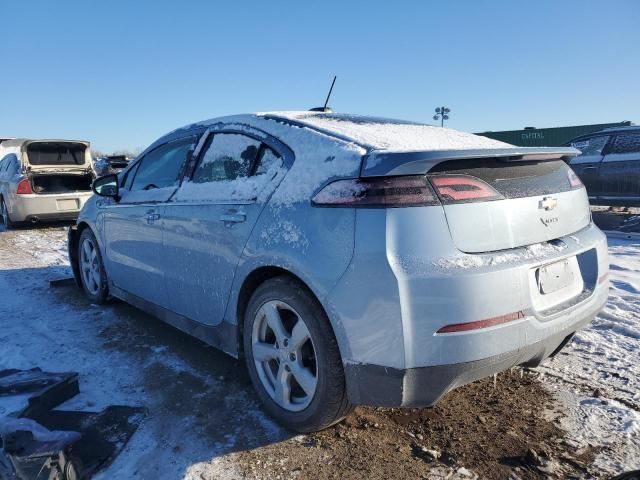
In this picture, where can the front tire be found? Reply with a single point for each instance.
(4, 215)
(293, 357)
(92, 273)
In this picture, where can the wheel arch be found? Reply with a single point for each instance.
(256, 278)
(75, 232)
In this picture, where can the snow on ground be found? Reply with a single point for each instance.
(49, 249)
(597, 377)
(200, 403)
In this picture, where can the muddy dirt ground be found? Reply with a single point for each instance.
(504, 430)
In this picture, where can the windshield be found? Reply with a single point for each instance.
(56, 153)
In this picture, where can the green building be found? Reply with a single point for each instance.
(547, 137)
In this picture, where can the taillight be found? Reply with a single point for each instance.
(24, 187)
(407, 191)
(462, 189)
(574, 180)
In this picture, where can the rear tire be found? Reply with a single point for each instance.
(73, 469)
(293, 358)
(4, 215)
(92, 273)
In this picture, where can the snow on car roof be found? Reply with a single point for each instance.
(388, 134)
(372, 133)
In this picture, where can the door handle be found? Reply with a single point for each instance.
(152, 216)
(233, 217)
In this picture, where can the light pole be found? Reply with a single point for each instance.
(442, 114)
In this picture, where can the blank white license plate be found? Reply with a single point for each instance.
(67, 204)
(554, 277)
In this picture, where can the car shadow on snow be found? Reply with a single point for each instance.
(201, 402)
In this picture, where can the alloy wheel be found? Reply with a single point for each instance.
(90, 266)
(284, 356)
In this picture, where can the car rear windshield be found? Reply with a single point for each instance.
(513, 179)
(51, 153)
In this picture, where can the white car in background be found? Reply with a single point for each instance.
(43, 180)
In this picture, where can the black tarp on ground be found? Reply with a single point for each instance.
(39, 442)
(40, 391)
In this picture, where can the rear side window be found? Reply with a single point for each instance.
(162, 167)
(268, 161)
(626, 143)
(229, 156)
(232, 167)
(591, 146)
(52, 153)
(513, 179)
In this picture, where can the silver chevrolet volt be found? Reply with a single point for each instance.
(349, 260)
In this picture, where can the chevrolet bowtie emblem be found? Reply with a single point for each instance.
(548, 203)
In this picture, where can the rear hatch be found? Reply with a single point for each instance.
(495, 200)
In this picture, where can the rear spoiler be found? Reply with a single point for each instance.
(415, 163)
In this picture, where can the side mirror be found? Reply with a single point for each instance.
(106, 186)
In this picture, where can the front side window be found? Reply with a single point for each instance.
(162, 167)
(129, 175)
(626, 143)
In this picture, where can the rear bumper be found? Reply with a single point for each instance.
(36, 207)
(425, 386)
(388, 309)
(434, 299)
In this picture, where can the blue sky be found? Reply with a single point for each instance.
(122, 73)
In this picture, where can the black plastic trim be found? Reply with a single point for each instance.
(223, 336)
(381, 386)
